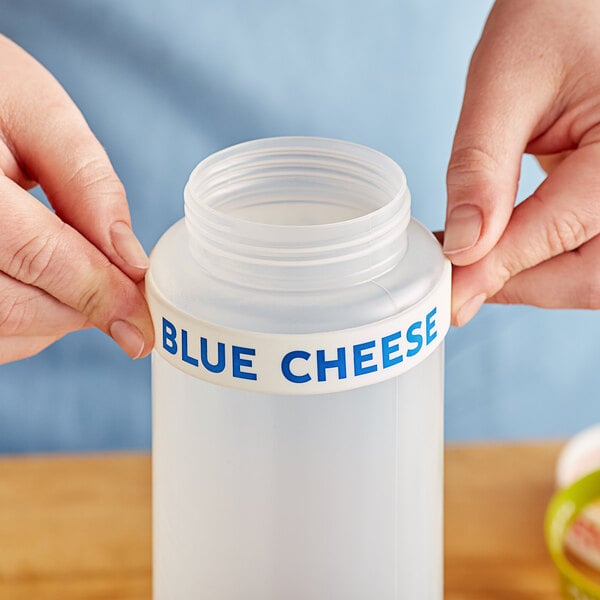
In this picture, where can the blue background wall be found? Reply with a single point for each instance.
(163, 83)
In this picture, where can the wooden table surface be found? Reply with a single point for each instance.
(78, 527)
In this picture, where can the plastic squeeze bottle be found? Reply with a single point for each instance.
(297, 381)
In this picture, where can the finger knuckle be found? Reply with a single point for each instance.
(510, 264)
(95, 173)
(32, 262)
(91, 300)
(472, 167)
(565, 232)
(101, 295)
(14, 316)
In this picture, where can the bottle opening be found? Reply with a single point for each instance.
(297, 213)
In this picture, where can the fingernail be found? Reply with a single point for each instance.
(127, 245)
(469, 309)
(129, 337)
(463, 228)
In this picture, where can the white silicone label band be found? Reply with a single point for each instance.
(312, 363)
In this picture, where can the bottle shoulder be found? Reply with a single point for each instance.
(183, 281)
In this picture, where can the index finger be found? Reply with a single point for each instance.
(509, 98)
(55, 146)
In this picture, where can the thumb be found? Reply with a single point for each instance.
(504, 101)
(561, 216)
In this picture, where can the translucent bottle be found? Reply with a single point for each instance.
(298, 381)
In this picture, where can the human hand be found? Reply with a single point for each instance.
(82, 265)
(534, 87)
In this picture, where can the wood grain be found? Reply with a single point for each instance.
(79, 527)
(495, 498)
(75, 527)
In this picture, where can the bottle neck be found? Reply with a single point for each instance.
(297, 214)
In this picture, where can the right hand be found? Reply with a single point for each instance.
(77, 267)
(533, 87)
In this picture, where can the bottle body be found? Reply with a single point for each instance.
(269, 495)
(262, 497)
